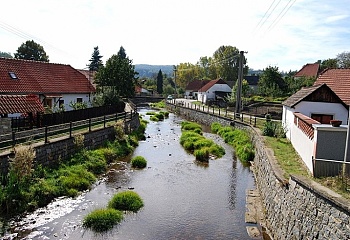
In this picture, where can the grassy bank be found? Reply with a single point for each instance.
(25, 188)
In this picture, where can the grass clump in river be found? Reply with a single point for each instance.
(126, 201)
(158, 116)
(239, 139)
(101, 220)
(138, 162)
(28, 189)
(193, 141)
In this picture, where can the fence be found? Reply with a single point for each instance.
(40, 120)
(49, 132)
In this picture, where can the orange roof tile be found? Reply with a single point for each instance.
(210, 84)
(339, 81)
(20, 104)
(40, 77)
(308, 70)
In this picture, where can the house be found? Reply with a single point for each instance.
(19, 105)
(90, 75)
(308, 70)
(252, 81)
(192, 88)
(214, 90)
(56, 85)
(140, 91)
(306, 118)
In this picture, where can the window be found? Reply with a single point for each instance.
(79, 100)
(322, 118)
(47, 102)
(13, 75)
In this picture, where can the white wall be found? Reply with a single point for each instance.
(210, 93)
(71, 98)
(303, 145)
(336, 109)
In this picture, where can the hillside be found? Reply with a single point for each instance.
(151, 71)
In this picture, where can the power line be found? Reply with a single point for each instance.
(264, 15)
(269, 13)
(280, 16)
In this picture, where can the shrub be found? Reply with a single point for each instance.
(119, 130)
(190, 126)
(126, 201)
(202, 154)
(21, 164)
(79, 141)
(101, 220)
(138, 162)
(217, 150)
(215, 127)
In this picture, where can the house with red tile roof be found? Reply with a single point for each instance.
(214, 90)
(54, 84)
(308, 116)
(308, 70)
(192, 88)
(17, 105)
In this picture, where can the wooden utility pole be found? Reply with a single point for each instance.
(175, 81)
(239, 85)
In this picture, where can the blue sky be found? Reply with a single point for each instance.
(282, 33)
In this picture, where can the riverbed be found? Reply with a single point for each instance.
(183, 199)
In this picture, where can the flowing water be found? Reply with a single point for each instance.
(183, 199)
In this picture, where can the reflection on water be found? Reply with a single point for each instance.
(183, 199)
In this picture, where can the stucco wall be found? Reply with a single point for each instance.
(295, 208)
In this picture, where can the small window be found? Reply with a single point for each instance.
(13, 75)
(79, 100)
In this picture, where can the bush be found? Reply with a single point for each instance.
(126, 201)
(202, 154)
(190, 126)
(101, 220)
(138, 162)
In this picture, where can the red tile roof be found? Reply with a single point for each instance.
(211, 83)
(308, 70)
(41, 77)
(20, 104)
(339, 81)
(195, 85)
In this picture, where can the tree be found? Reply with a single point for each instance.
(31, 50)
(271, 83)
(5, 55)
(329, 63)
(117, 78)
(95, 61)
(160, 82)
(343, 60)
(226, 60)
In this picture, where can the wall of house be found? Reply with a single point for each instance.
(336, 109)
(287, 120)
(210, 94)
(295, 208)
(68, 98)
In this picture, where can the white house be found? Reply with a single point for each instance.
(214, 90)
(307, 116)
(191, 90)
(54, 84)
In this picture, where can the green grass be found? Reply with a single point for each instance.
(126, 201)
(101, 220)
(286, 156)
(160, 104)
(138, 162)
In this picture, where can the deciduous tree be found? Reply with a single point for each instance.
(31, 50)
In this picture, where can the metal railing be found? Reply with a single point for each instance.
(46, 133)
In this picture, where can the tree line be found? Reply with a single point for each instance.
(117, 78)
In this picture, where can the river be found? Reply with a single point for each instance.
(183, 199)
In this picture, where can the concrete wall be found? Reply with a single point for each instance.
(295, 208)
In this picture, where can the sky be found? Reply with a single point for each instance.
(283, 33)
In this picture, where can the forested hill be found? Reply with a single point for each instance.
(151, 71)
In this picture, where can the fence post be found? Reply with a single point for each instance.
(213, 109)
(255, 122)
(219, 111)
(46, 134)
(89, 124)
(124, 116)
(104, 121)
(242, 117)
(13, 138)
(250, 119)
(70, 129)
(226, 112)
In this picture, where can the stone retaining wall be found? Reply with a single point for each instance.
(61, 148)
(294, 208)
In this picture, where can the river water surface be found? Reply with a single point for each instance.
(183, 199)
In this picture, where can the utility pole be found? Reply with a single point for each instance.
(175, 80)
(239, 85)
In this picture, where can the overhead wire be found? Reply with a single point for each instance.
(280, 16)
